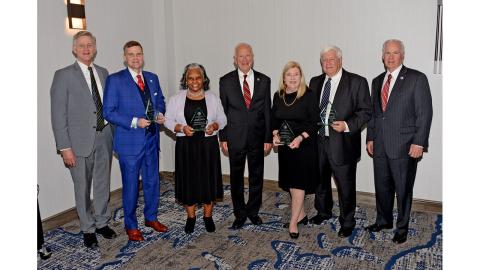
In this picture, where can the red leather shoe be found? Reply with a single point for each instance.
(157, 226)
(135, 235)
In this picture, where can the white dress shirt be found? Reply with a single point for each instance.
(335, 80)
(250, 80)
(392, 80)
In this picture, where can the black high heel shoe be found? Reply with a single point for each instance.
(304, 221)
(190, 225)
(209, 225)
(294, 235)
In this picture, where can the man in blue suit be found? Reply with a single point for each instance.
(134, 103)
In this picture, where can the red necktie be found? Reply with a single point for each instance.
(385, 88)
(140, 82)
(246, 92)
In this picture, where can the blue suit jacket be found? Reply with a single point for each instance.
(122, 102)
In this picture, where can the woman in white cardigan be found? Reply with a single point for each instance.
(195, 116)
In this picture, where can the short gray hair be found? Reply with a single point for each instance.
(337, 50)
(402, 47)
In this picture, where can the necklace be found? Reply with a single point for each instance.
(286, 104)
(195, 95)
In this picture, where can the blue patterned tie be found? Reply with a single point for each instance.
(324, 103)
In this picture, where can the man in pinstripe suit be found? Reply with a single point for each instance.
(397, 136)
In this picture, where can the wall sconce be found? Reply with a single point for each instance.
(76, 14)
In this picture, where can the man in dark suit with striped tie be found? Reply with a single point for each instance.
(245, 96)
(397, 136)
(339, 142)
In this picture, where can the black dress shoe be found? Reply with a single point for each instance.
(90, 240)
(209, 225)
(304, 221)
(294, 235)
(190, 225)
(318, 219)
(345, 232)
(399, 238)
(106, 232)
(44, 253)
(376, 228)
(238, 223)
(256, 220)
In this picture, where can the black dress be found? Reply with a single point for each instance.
(198, 175)
(297, 168)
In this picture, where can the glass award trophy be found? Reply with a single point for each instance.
(285, 133)
(150, 112)
(199, 120)
(332, 115)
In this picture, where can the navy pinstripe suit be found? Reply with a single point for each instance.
(406, 121)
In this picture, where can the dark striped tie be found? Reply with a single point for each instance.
(97, 100)
(324, 103)
(246, 92)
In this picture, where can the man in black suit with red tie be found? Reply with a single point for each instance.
(397, 136)
(339, 142)
(245, 96)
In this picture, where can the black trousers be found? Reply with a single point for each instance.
(40, 239)
(255, 160)
(345, 180)
(394, 176)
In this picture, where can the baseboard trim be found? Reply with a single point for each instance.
(66, 216)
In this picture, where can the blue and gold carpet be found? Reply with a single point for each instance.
(253, 247)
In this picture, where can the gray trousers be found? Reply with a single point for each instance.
(94, 168)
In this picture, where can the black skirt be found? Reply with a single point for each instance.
(198, 174)
(298, 168)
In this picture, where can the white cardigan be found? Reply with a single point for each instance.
(176, 106)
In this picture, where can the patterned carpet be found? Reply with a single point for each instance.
(253, 247)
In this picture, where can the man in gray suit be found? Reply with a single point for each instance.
(83, 138)
(397, 136)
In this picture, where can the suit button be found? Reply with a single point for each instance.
(95, 127)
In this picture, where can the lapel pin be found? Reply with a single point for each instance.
(258, 79)
(401, 78)
(151, 81)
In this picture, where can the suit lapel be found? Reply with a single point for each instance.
(81, 79)
(131, 85)
(342, 85)
(100, 75)
(256, 85)
(149, 83)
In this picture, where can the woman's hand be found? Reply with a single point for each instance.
(211, 128)
(296, 142)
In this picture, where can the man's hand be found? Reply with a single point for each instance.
(69, 158)
(370, 147)
(160, 119)
(339, 126)
(416, 151)
(142, 123)
(266, 148)
(224, 147)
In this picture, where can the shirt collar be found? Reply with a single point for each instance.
(134, 74)
(395, 72)
(249, 73)
(83, 66)
(336, 78)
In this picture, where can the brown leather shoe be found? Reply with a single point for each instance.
(157, 226)
(135, 235)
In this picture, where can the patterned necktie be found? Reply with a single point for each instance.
(324, 103)
(246, 92)
(97, 101)
(385, 89)
(140, 82)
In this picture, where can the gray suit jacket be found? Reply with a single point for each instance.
(407, 118)
(73, 110)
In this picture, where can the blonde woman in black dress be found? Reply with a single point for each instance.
(295, 110)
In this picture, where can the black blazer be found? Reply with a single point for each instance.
(352, 104)
(407, 118)
(246, 127)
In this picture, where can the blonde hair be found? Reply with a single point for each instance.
(302, 88)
